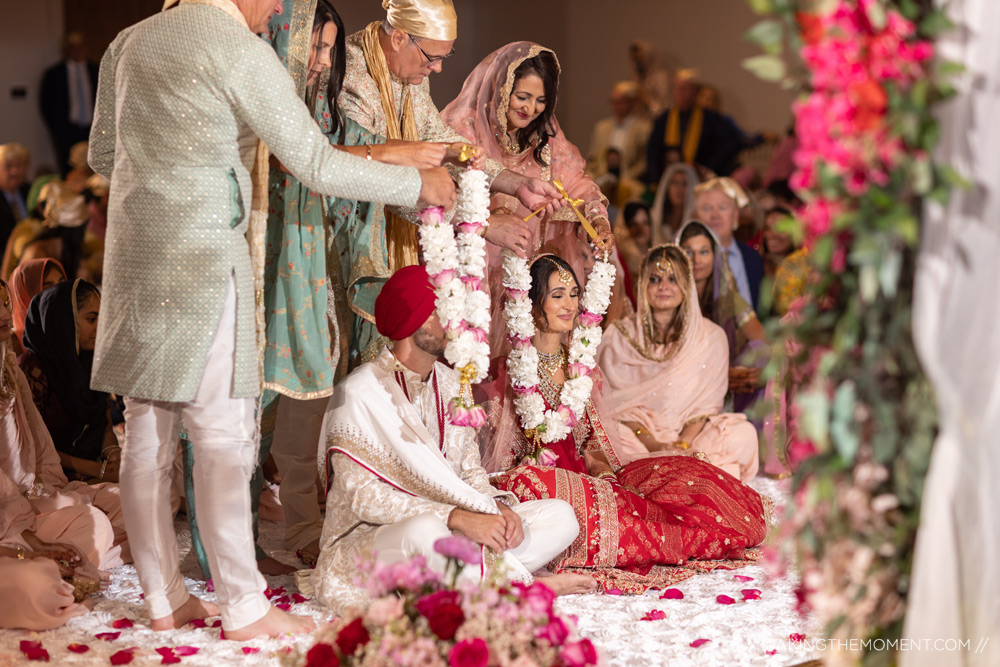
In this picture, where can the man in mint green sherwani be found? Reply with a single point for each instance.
(181, 100)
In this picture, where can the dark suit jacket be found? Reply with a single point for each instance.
(754, 264)
(718, 148)
(54, 96)
(7, 220)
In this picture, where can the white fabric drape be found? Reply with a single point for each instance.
(955, 592)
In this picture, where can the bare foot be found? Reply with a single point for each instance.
(569, 583)
(187, 612)
(275, 623)
(273, 567)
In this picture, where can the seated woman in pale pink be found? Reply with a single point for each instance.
(667, 373)
(30, 463)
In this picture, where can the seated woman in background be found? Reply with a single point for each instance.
(29, 462)
(721, 303)
(633, 235)
(667, 372)
(59, 335)
(777, 244)
(793, 267)
(633, 517)
(28, 279)
(674, 201)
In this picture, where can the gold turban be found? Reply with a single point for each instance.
(428, 19)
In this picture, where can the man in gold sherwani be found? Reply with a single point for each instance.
(387, 91)
(182, 99)
(400, 476)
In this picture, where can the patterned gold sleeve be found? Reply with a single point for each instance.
(102, 133)
(376, 502)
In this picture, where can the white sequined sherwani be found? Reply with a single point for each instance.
(182, 98)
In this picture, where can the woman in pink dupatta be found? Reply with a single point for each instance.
(30, 463)
(482, 114)
(667, 372)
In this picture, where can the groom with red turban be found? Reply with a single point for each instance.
(400, 476)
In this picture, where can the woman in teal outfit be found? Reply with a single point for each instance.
(317, 314)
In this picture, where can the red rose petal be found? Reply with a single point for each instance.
(185, 650)
(724, 599)
(797, 636)
(740, 577)
(299, 599)
(33, 650)
(773, 651)
(168, 656)
(613, 591)
(78, 648)
(699, 642)
(108, 636)
(198, 623)
(210, 586)
(122, 657)
(284, 606)
(216, 623)
(672, 594)
(654, 615)
(750, 594)
(142, 596)
(250, 649)
(122, 624)
(274, 592)
(222, 634)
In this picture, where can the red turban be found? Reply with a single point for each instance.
(405, 303)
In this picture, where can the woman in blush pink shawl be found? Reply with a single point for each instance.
(507, 106)
(667, 373)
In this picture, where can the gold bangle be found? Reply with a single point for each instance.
(20, 553)
(638, 432)
(368, 152)
(682, 444)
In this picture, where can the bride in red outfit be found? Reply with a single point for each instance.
(644, 524)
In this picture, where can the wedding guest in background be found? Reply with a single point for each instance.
(66, 98)
(674, 201)
(625, 130)
(14, 160)
(28, 279)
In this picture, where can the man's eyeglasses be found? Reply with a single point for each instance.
(431, 60)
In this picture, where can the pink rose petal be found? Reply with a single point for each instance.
(222, 634)
(773, 651)
(78, 648)
(33, 650)
(108, 636)
(672, 594)
(740, 577)
(217, 623)
(250, 649)
(210, 586)
(750, 594)
(699, 642)
(122, 657)
(122, 624)
(797, 637)
(654, 615)
(185, 650)
(274, 592)
(198, 623)
(613, 591)
(142, 596)
(724, 599)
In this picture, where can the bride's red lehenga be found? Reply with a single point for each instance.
(659, 522)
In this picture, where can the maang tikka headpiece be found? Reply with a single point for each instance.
(565, 277)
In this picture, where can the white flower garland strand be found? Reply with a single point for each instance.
(522, 362)
(456, 263)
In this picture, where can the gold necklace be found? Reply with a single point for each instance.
(552, 362)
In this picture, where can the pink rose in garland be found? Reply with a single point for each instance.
(469, 653)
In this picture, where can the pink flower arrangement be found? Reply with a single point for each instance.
(418, 618)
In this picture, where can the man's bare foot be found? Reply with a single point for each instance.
(187, 612)
(275, 623)
(569, 583)
(273, 567)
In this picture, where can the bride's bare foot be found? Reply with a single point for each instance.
(273, 567)
(275, 623)
(187, 612)
(569, 583)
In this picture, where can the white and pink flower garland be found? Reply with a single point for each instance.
(456, 262)
(539, 423)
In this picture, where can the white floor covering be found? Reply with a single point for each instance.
(755, 632)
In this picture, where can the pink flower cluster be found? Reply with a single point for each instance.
(419, 620)
(842, 125)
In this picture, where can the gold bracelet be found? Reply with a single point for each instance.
(368, 152)
(682, 444)
(20, 553)
(638, 432)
